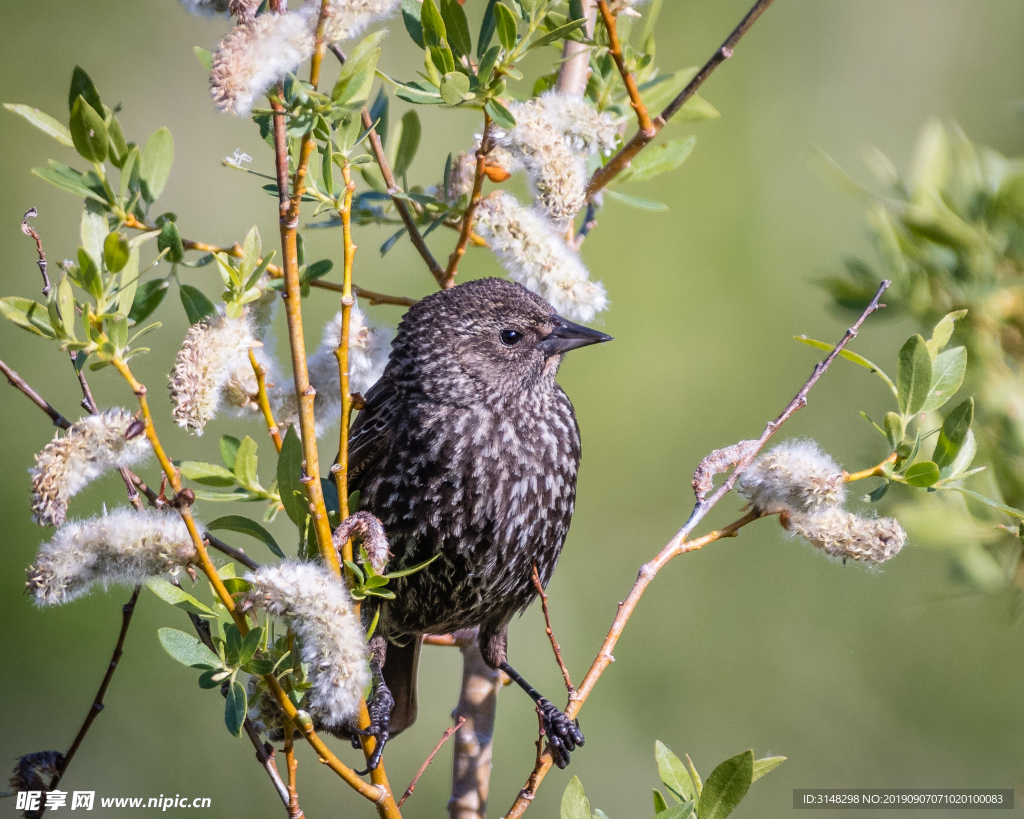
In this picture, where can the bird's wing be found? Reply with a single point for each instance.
(370, 438)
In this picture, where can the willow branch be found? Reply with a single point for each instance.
(22, 386)
(263, 400)
(294, 811)
(643, 118)
(371, 296)
(550, 632)
(444, 738)
(572, 76)
(680, 545)
(474, 201)
(642, 139)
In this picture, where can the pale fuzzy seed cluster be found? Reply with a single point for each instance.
(584, 128)
(244, 10)
(626, 7)
(212, 367)
(795, 476)
(91, 447)
(349, 18)
(369, 346)
(807, 487)
(123, 546)
(322, 614)
(255, 55)
(205, 7)
(844, 535)
(264, 710)
(463, 173)
(538, 258)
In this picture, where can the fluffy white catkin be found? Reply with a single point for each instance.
(795, 476)
(349, 18)
(256, 54)
(91, 446)
(123, 546)
(212, 366)
(322, 614)
(846, 536)
(537, 257)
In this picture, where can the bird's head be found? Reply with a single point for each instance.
(487, 338)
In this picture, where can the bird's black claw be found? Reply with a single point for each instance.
(563, 734)
(380, 707)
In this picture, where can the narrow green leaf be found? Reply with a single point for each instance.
(894, 429)
(953, 433)
(82, 86)
(155, 167)
(456, 27)
(913, 375)
(637, 202)
(235, 706)
(766, 765)
(170, 240)
(500, 114)
(411, 10)
(1002, 507)
(433, 25)
(849, 356)
(67, 179)
(186, 649)
(558, 34)
(178, 597)
(147, 298)
(575, 804)
(241, 524)
(487, 63)
(116, 252)
(963, 460)
(44, 122)
(28, 314)
(128, 283)
(660, 805)
(659, 159)
(508, 28)
(88, 132)
(486, 32)
(922, 474)
(672, 772)
(683, 811)
(197, 305)
(206, 473)
(250, 644)
(408, 143)
(943, 331)
(229, 450)
(246, 463)
(948, 371)
(289, 473)
(205, 57)
(65, 298)
(726, 786)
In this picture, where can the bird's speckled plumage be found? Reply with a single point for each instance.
(468, 448)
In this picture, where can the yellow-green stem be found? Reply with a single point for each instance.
(263, 400)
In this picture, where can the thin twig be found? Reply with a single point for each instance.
(27, 229)
(474, 201)
(680, 545)
(21, 385)
(643, 118)
(294, 811)
(235, 554)
(551, 634)
(444, 738)
(641, 139)
(263, 400)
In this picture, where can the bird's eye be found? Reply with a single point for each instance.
(511, 337)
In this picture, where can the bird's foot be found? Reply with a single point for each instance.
(563, 733)
(379, 706)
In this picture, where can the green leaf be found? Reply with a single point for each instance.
(44, 122)
(659, 159)
(412, 569)
(67, 179)
(1002, 507)
(575, 804)
(28, 314)
(948, 371)
(508, 28)
(454, 86)
(408, 143)
(922, 474)
(849, 356)
(683, 811)
(250, 643)
(953, 433)
(205, 57)
(206, 473)
(155, 167)
(245, 464)
(186, 649)
(147, 298)
(82, 86)
(963, 460)
(356, 78)
(726, 786)
(289, 472)
(238, 523)
(65, 300)
(234, 708)
(229, 450)
(129, 283)
(913, 375)
(637, 202)
(456, 27)
(88, 132)
(411, 10)
(943, 331)
(766, 765)
(116, 252)
(894, 429)
(178, 597)
(486, 33)
(559, 33)
(672, 772)
(660, 805)
(170, 240)
(213, 677)
(197, 305)
(500, 114)
(433, 25)
(487, 63)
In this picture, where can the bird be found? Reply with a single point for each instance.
(467, 450)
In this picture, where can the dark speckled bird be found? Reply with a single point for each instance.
(467, 449)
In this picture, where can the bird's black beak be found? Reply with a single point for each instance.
(568, 336)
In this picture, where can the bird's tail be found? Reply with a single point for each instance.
(401, 665)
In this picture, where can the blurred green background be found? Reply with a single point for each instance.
(893, 679)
